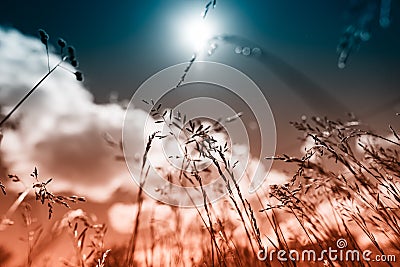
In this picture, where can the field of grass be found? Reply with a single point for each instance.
(346, 188)
(338, 204)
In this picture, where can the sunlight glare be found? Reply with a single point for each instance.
(197, 32)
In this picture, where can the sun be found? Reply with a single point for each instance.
(197, 32)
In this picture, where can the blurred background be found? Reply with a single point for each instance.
(288, 48)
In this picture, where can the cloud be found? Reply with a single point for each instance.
(375, 142)
(60, 129)
(122, 216)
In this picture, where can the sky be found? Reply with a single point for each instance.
(121, 45)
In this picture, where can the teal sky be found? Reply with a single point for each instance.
(122, 44)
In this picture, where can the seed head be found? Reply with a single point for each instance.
(71, 52)
(44, 37)
(74, 63)
(79, 76)
(61, 42)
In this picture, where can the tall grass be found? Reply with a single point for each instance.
(346, 186)
(67, 55)
(351, 171)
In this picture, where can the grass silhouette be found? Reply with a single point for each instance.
(350, 170)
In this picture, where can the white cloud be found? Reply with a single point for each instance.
(61, 130)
